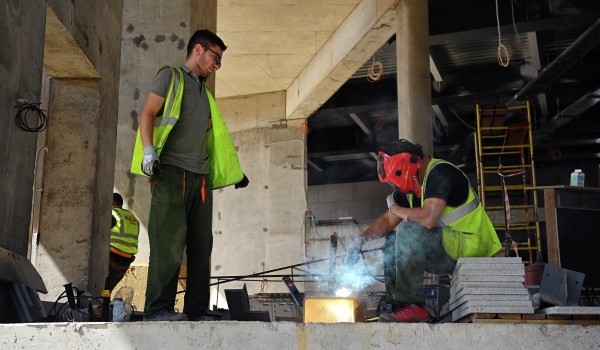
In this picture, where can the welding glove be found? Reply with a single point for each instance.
(243, 183)
(390, 200)
(150, 162)
(397, 198)
(353, 254)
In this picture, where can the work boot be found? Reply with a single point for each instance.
(406, 313)
(203, 316)
(165, 315)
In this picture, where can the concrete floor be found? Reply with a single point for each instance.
(288, 335)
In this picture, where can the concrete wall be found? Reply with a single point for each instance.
(260, 228)
(288, 335)
(363, 201)
(65, 226)
(21, 75)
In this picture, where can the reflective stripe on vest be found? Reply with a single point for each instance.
(464, 210)
(124, 235)
(162, 123)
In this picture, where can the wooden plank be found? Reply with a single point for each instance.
(586, 317)
(531, 319)
(474, 317)
(551, 227)
(510, 316)
(534, 317)
(558, 322)
(559, 317)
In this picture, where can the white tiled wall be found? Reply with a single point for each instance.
(362, 201)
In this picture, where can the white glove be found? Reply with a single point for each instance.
(148, 161)
(390, 200)
(353, 254)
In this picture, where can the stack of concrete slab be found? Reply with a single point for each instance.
(489, 285)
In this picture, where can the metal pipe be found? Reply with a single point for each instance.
(332, 260)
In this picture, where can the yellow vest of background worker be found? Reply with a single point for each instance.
(124, 235)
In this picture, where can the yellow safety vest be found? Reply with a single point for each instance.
(124, 235)
(223, 163)
(468, 231)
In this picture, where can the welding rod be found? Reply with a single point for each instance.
(284, 268)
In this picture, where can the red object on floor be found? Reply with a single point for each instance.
(407, 313)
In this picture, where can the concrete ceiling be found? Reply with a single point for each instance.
(317, 52)
(306, 48)
(271, 41)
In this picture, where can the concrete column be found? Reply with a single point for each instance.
(204, 16)
(68, 248)
(63, 254)
(22, 36)
(414, 86)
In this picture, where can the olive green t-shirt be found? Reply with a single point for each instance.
(185, 146)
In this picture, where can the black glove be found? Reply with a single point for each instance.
(353, 254)
(243, 183)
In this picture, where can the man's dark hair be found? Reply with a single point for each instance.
(117, 199)
(403, 146)
(205, 38)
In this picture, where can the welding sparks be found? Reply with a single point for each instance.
(343, 292)
(353, 279)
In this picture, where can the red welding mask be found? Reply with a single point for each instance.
(401, 171)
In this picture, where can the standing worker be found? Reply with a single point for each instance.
(123, 242)
(184, 147)
(444, 222)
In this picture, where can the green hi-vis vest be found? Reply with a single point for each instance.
(223, 163)
(124, 235)
(468, 231)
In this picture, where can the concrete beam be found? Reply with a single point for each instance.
(365, 30)
(63, 58)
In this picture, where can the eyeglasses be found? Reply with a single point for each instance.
(217, 57)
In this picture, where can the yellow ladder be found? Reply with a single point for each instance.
(504, 138)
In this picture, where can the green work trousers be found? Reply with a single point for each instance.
(180, 218)
(414, 250)
(117, 268)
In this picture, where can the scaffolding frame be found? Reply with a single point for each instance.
(504, 151)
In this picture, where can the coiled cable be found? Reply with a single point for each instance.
(375, 71)
(21, 118)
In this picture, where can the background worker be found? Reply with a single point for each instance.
(184, 146)
(439, 219)
(123, 242)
